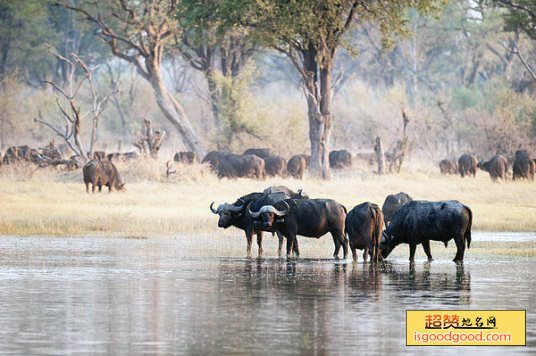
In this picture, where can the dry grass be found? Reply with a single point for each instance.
(54, 203)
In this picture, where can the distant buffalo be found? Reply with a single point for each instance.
(259, 152)
(296, 166)
(418, 222)
(364, 225)
(340, 159)
(275, 165)
(523, 167)
(497, 167)
(282, 189)
(214, 157)
(448, 166)
(15, 154)
(102, 172)
(234, 166)
(125, 156)
(188, 157)
(467, 165)
(392, 203)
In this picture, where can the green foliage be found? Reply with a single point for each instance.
(521, 16)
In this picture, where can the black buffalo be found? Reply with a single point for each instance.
(523, 166)
(310, 218)
(296, 166)
(291, 194)
(419, 221)
(275, 165)
(467, 165)
(340, 159)
(236, 215)
(259, 152)
(392, 203)
(497, 167)
(233, 166)
(364, 225)
(448, 166)
(188, 157)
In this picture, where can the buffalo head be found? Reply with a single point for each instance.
(227, 212)
(268, 213)
(385, 244)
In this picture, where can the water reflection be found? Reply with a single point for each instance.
(106, 296)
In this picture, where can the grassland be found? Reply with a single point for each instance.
(55, 203)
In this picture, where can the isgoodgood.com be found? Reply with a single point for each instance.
(455, 338)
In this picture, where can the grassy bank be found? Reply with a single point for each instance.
(57, 204)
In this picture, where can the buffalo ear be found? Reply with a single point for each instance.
(280, 220)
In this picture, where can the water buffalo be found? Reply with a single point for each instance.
(291, 194)
(497, 167)
(123, 157)
(24, 153)
(236, 215)
(259, 152)
(448, 166)
(296, 166)
(467, 165)
(102, 172)
(185, 157)
(275, 165)
(420, 221)
(523, 166)
(310, 218)
(364, 225)
(392, 203)
(233, 166)
(340, 159)
(214, 157)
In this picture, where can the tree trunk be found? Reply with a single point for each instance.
(380, 157)
(411, 72)
(318, 92)
(174, 112)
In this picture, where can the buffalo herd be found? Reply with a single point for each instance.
(288, 214)
(499, 166)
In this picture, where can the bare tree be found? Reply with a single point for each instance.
(140, 37)
(69, 107)
(151, 140)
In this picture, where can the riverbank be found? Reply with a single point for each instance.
(45, 205)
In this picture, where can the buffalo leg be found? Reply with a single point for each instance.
(412, 248)
(93, 185)
(249, 238)
(280, 247)
(290, 243)
(87, 187)
(295, 247)
(259, 242)
(365, 254)
(461, 248)
(426, 247)
(339, 240)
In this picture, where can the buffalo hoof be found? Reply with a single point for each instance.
(457, 260)
(430, 259)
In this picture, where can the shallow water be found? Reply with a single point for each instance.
(125, 296)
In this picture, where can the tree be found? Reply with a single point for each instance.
(138, 32)
(220, 51)
(309, 33)
(521, 17)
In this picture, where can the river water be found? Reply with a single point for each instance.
(151, 296)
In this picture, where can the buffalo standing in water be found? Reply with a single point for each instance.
(364, 225)
(236, 215)
(496, 167)
(102, 172)
(467, 165)
(420, 221)
(310, 218)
